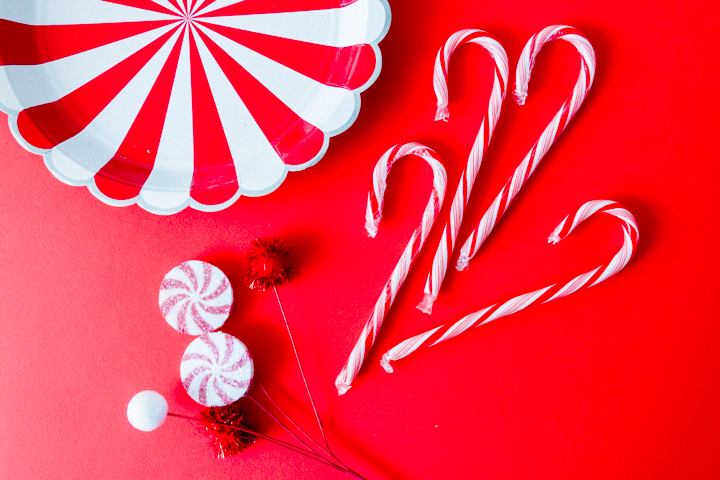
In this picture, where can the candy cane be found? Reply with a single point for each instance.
(376, 200)
(544, 295)
(467, 180)
(548, 137)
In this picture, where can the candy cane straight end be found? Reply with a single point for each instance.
(443, 113)
(385, 363)
(341, 386)
(372, 219)
(372, 227)
(520, 97)
(427, 303)
(463, 263)
(554, 238)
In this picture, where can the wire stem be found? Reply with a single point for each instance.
(290, 419)
(277, 420)
(307, 388)
(265, 437)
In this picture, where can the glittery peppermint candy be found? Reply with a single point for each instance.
(216, 370)
(195, 298)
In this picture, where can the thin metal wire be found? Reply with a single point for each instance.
(307, 388)
(290, 419)
(277, 420)
(265, 437)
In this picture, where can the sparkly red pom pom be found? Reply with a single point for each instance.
(270, 262)
(224, 440)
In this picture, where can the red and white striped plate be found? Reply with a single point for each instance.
(176, 103)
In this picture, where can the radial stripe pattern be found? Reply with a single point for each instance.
(176, 103)
(195, 298)
(216, 369)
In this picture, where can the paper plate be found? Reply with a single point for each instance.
(176, 103)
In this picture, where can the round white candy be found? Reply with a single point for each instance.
(147, 410)
(216, 370)
(196, 298)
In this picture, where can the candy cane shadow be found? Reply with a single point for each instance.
(647, 225)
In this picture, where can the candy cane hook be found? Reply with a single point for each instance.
(467, 180)
(548, 137)
(376, 200)
(544, 295)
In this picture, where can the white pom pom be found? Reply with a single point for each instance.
(147, 410)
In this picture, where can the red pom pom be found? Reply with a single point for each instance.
(224, 440)
(271, 264)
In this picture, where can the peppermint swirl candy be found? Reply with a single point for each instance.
(216, 369)
(196, 298)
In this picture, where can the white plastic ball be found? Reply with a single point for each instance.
(147, 410)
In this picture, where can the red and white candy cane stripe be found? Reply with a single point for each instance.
(544, 295)
(548, 137)
(467, 180)
(374, 214)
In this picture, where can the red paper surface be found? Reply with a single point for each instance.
(618, 381)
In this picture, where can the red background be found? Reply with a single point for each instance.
(619, 381)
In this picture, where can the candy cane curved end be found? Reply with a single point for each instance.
(631, 237)
(442, 60)
(533, 47)
(373, 215)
